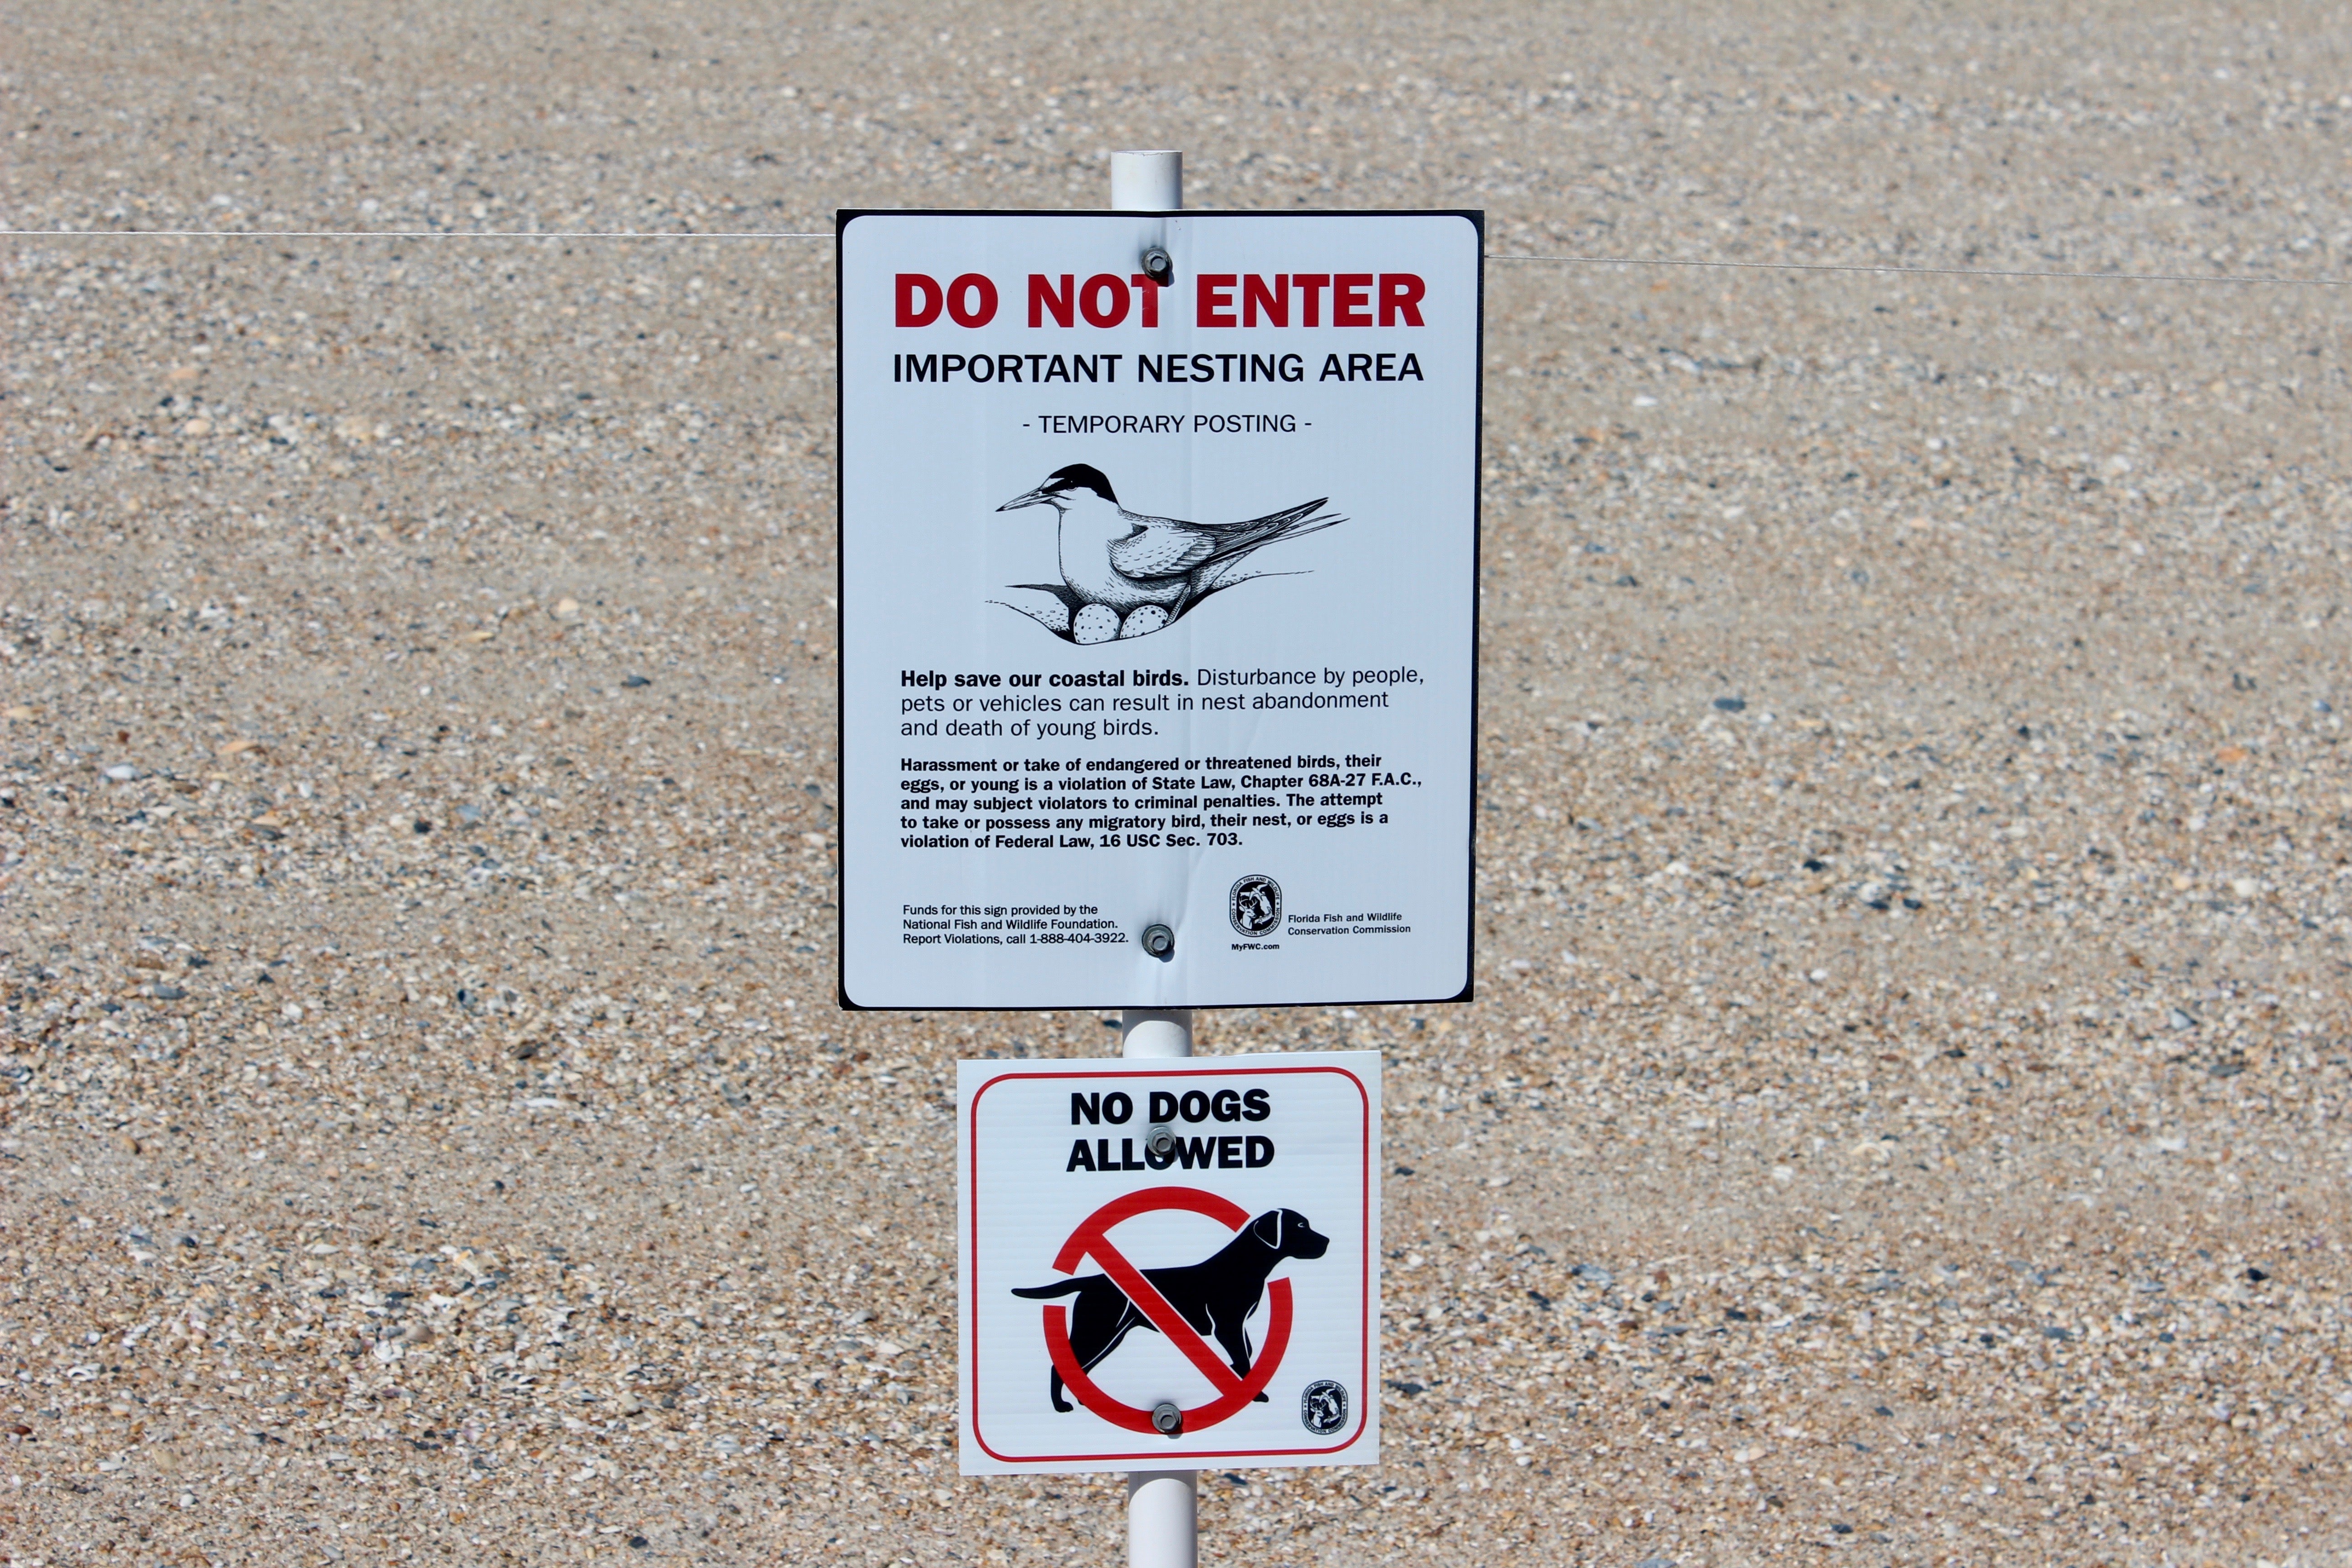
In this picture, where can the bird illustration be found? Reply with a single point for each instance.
(1127, 575)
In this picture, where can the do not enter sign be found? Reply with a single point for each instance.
(1199, 1289)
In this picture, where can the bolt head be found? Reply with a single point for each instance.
(1166, 1419)
(1159, 941)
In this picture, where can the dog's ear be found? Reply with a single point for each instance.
(1268, 1229)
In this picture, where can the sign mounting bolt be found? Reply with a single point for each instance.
(1159, 1143)
(1158, 266)
(1159, 941)
(1166, 1419)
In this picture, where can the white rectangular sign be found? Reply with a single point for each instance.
(1169, 1265)
(1158, 607)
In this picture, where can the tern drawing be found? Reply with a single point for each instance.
(1128, 574)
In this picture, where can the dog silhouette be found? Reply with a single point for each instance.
(1215, 1294)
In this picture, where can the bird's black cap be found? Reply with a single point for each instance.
(1080, 477)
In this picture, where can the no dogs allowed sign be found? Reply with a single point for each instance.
(1159, 556)
(1168, 1264)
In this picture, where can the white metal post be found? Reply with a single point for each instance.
(1162, 1529)
(1146, 181)
(1155, 1032)
(1163, 1521)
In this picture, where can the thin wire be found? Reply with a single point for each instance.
(1928, 271)
(402, 233)
(1883, 268)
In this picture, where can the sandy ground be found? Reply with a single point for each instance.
(1904, 1114)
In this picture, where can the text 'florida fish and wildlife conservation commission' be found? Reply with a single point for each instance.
(1158, 607)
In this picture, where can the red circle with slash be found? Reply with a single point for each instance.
(1092, 1238)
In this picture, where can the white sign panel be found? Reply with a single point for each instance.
(1169, 1265)
(1158, 607)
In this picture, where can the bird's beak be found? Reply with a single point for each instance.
(1033, 498)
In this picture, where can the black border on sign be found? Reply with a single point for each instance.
(843, 217)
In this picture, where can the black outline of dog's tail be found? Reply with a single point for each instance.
(1059, 1287)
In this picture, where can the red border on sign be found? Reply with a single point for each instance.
(1171, 1454)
